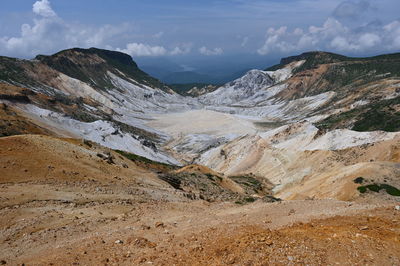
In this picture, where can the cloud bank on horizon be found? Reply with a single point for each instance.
(352, 27)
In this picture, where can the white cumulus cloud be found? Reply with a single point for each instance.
(181, 50)
(48, 33)
(140, 49)
(43, 8)
(333, 36)
(216, 51)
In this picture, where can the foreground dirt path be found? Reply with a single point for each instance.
(199, 233)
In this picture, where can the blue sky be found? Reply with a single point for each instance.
(182, 30)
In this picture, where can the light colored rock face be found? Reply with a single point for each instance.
(286, 72)
(102, 132)
(255, 87)
(135, 97)
(75, 87)
(238, 90)
(302, 164)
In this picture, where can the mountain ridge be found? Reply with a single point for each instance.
(63, 61)
(322, 57)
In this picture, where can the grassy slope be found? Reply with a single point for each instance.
(381, 115)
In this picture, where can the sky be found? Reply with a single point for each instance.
(185, 31)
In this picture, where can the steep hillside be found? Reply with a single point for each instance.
(91, 93)
(316, 84)
(365, 89)
(323, 72)
(92, 66)
(382, 115)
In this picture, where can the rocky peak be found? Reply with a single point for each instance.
(254, 79)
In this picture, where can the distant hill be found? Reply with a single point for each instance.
(193, 89)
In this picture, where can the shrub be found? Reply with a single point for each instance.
(373, 187)
(249, 199)
(359, 180)
(362, 189)
(391, 190)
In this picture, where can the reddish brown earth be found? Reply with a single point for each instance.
(221, 234)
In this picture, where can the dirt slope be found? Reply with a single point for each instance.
(35, 158)
(219, 234)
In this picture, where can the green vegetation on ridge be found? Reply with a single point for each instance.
(381, 115)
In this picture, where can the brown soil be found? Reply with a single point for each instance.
(62, 204)
(219, 234)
